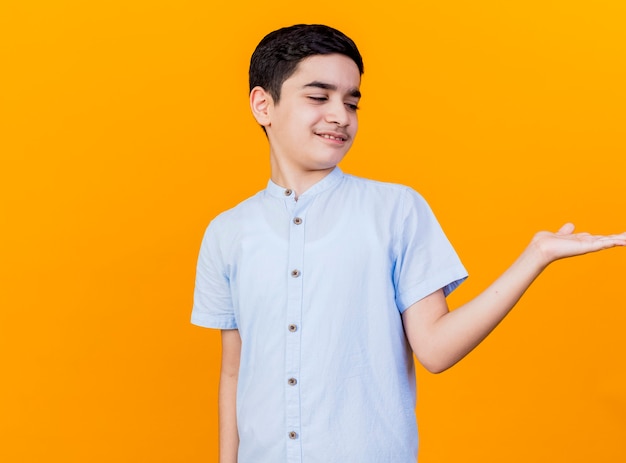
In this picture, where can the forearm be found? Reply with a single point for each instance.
(229, 376)
(460, 331)
(228, 435)
(442, 338)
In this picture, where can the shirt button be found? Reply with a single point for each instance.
(293, 328)
(292, 381)
(293, 435)
(288, 192)
(297, 220)
(295, 273)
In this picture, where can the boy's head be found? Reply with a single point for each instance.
(315, 71)
(277, 56)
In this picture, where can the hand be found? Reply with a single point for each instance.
(565, 243)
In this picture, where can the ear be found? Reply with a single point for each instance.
(260, 103)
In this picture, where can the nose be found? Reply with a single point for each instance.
(338, 114)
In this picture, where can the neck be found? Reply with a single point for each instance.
(297, 180)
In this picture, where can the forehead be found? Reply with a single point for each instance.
(335, 69)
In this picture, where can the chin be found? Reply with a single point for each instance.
(330, 164)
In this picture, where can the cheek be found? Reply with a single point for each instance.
(311, 117)
(354, 126)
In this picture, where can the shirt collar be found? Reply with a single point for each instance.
(330, 180)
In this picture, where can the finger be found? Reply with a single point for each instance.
(616, 237)
(608, 242)
(566, 229)
(620, 239)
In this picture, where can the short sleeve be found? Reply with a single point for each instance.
(212, 301)
(425, 259)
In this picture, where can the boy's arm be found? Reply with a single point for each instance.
(229, 374)
(440, 338)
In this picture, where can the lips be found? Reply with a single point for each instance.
(332, 136)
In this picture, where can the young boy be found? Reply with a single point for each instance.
(324, 285)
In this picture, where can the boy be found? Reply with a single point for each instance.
(324, 284)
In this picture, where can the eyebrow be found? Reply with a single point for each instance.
(325, 86)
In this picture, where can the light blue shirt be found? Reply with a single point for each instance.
(316, 288)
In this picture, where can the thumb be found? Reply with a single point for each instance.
(566, 229)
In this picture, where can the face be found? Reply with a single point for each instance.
(313, 125)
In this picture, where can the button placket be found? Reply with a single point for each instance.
(295, 280)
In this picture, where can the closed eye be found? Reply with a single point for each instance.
(352, 107)
(318, 98)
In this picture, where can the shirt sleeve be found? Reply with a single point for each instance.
(212, 301)
(425, 259)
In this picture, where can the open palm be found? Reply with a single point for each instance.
(566, 243)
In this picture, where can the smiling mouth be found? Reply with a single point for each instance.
(332, 137)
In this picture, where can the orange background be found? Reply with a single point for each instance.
(125, 128)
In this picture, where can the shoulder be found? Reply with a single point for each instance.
(370, 184)
(385, 192)
(377, 186)
(236, 213)
(225, 226)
